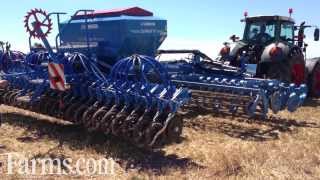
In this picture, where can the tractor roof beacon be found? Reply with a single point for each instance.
(275, 44)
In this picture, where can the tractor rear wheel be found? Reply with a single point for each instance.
(292, 70)
(280, 71)
(315, 81)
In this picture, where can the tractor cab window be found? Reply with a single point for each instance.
(287, 32)
(260, 32)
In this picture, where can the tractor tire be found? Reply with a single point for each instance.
(314, 84)
(289, 70)
(280, 71)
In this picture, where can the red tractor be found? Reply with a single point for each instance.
(275, 46)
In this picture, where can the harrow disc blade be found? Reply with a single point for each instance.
(174, 129)
(142, 125)
(108, 117)
(118, 121)
(87, 117)
(150, 133)
(127, 127)
(97, 119)
(78, 114)
(68, 114)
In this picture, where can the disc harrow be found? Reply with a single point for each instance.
(221, 88)
(136, 101)
(253, 96)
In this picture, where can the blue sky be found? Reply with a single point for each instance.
(203, 24)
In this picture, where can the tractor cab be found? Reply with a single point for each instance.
(266, 39)
(262, 30)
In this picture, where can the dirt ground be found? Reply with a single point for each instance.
(283, 146)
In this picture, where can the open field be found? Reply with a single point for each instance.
(285, 146)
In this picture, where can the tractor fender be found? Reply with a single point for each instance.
(235, 50)
(311, 64)
(266, 57)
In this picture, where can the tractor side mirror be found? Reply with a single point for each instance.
(234, 38)
(316, 34)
